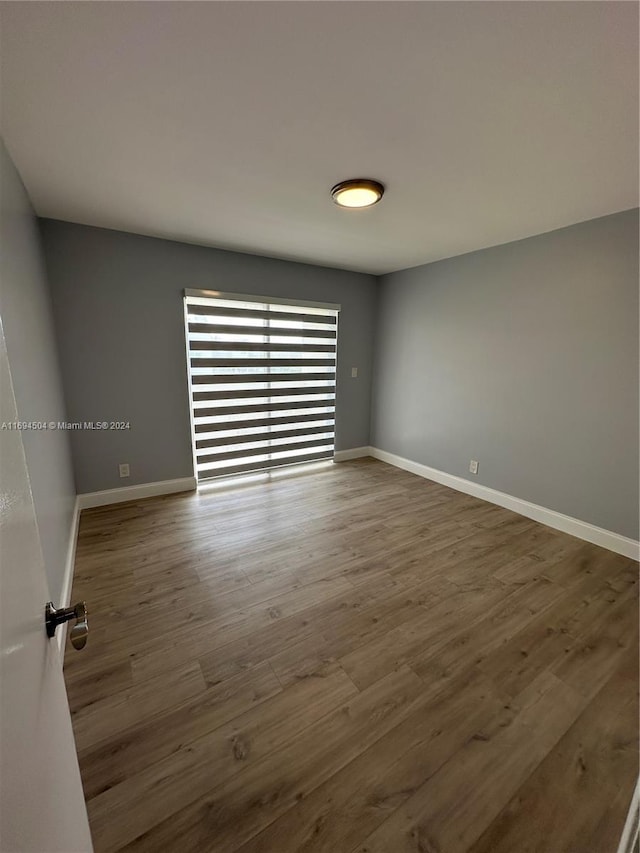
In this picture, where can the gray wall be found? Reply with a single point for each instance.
(25, 309)
(524, 357)
(118, 309)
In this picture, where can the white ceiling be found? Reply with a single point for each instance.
(227, 123)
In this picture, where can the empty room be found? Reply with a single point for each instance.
(319, 443)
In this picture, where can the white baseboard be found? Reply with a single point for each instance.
(352, 453)
(136, 493)
(630, 831)
(565, 523)
(67, 580)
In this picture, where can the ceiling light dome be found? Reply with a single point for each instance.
(357, 192)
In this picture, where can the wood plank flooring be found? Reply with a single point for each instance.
(353, 660)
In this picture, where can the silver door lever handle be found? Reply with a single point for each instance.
(80, 630)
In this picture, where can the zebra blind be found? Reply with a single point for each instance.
(262, 382)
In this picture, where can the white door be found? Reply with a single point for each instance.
(41, 801)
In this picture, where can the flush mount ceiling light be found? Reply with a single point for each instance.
(358, 192)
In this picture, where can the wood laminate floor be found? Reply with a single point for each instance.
(354, 660)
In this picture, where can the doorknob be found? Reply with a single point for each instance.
(80, 630)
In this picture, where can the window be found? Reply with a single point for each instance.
(262, 381)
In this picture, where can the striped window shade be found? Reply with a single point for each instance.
(262, 377)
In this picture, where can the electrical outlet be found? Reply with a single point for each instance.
(354, 372)
(124, 469)
(473, 466)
